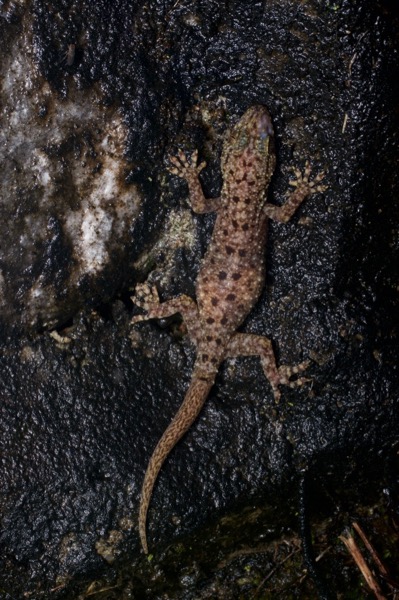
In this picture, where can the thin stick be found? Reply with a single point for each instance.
(371, 549)
(362, 565)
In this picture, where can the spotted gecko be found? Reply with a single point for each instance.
(231, 276)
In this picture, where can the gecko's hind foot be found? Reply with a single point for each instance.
(146, 297)
(184, 167)
(283, 375)
(286, 372)
(303, 182)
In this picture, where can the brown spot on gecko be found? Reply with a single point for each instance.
(245, 227)
(222, 275)
(236, 276)
(224, 321)
(214, 301)
(210, 320)
(242, 252)
(231, 297)
(229, 250)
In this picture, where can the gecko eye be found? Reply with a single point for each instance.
(242, 141)
(265, 144)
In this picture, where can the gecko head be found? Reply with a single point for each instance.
(252, 139)
(257, 119)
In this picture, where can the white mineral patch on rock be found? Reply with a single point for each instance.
(63, 184)
(105, 212)
(41, 168)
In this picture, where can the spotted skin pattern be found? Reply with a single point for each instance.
(231, 276)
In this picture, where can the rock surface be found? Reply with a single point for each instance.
(93, 98)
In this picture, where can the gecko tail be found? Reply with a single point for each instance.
(193, 402)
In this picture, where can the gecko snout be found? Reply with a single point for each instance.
(264, 123)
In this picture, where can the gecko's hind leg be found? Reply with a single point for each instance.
(247, 344)
(147, 298)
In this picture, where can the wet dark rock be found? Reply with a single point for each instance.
(88, 209)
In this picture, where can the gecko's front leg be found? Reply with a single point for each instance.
(189, 170)
(303, 187)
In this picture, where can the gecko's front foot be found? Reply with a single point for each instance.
(303, 184)
(186, 168)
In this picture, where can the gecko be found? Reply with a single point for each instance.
(231, 275)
